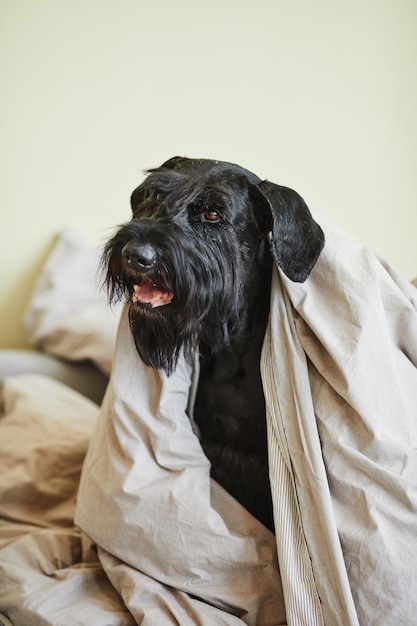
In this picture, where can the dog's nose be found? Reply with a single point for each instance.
(139, 255)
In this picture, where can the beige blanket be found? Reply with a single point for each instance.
(175, 545)
(339, 370)
(49, 573)
(340, 378)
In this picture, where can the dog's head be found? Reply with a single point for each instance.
(191, 256)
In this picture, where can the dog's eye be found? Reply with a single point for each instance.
(159, 197)
(211, 216)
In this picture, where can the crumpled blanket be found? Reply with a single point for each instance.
(171, 540)
(340, 378)
(49, 572)
(339, 367)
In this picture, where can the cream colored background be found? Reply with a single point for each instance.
(318, 95)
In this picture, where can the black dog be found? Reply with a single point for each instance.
(195, 261)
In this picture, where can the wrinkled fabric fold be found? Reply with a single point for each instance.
(340, 377)
(147, 500)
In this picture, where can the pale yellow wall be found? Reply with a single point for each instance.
(319, 95)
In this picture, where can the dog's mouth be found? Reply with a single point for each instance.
(147, 292)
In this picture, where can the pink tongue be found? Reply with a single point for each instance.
(148, 293)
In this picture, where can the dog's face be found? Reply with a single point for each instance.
(189, 258)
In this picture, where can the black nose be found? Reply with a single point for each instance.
(139, 256)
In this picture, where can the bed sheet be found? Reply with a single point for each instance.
(161, 543)
(50, 573)
(339, 368)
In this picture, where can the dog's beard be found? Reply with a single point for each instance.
(162, 333)
(156, 337)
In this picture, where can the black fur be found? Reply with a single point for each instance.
(196, 263)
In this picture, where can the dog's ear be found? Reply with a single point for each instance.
(172, 163)
(297, 240)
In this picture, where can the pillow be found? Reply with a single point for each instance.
(68, 315)
(45, 428)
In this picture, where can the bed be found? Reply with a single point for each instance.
(108, 515)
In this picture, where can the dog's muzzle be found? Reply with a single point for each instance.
(141, 261)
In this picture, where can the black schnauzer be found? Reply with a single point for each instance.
(195, 261)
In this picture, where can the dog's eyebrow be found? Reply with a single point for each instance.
(169, 183)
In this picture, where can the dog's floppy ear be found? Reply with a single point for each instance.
(297, 239)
